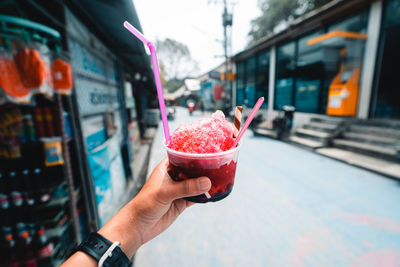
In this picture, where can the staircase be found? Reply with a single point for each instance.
(380, 140)
(372, 144)
(319, 132)
(265, 129)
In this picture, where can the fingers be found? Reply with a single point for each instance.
(186, 188)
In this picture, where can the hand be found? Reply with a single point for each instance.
(160, 201)
(153, 210)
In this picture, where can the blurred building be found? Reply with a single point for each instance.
(339, 60)
(214, 91)
(190, 90)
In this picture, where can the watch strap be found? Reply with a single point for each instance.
(95, 245)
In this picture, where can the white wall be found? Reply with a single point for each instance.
(271, 85)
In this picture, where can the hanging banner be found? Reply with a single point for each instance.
(108, 175)
(99, 163)
(118, 180)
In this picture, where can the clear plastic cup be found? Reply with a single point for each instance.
(219, 167)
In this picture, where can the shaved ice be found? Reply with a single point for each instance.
(208, 135)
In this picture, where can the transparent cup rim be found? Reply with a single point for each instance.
(207, 155)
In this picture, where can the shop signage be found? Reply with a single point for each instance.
(95, 97)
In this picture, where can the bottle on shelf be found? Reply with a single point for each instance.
(31, 228)
(13, 122)
(39, 122)
(8, 246)
(17, 120)
(28, 185)
(43, 245)
(43, 195)
(5, 218)
(25, 247)
(30, 201)
(48, 118)
(28, 128)
(17, 199)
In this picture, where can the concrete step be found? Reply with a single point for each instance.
(382, 131)
(387, 152)
(306, 142)
(320, 126)
(265, 132)
(372, 138)
(384, 123)
(322, 136)
(384, 167)
(329, 120)
(265, 124)
(140, 162)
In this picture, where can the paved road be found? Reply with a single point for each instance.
(289, 207)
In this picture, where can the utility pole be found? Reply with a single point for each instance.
(227, 22)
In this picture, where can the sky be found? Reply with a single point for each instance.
(197, 24)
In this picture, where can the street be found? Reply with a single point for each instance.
(288, 207)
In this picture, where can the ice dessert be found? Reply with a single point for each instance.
(204, 148)
(208, 135)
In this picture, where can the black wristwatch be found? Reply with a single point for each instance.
(105, 252)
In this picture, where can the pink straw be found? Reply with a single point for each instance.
(157, 78)
(248, 121)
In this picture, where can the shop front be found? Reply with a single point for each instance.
(68, 127)
(42, 211)
(312, 71)
(328, 63)
(99, 98)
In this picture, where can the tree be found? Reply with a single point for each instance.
(174, 84)
(175, 58)
(279, 12)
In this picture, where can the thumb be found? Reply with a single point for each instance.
(187, 188)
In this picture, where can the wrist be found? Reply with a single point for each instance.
(122, 228)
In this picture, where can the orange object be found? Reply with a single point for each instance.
(9, 237)
(10, 81)
(31, 67)
(53, 152)
(62, 76)
(230, 76)
(332, 34)
(25, 234)
(343, 93)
